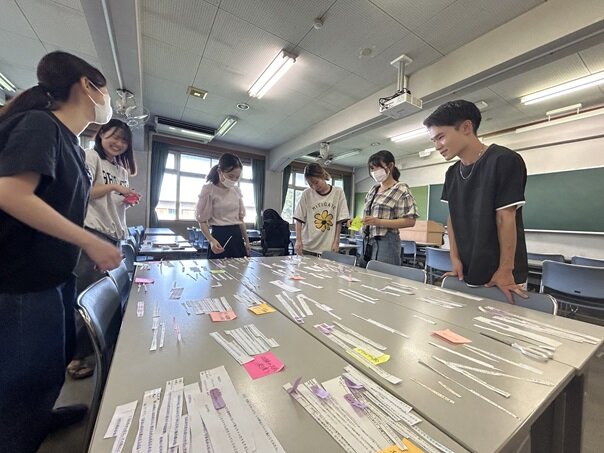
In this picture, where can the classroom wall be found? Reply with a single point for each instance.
(136, 215)
(572, 146)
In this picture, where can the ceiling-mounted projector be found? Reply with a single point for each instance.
(402, 103)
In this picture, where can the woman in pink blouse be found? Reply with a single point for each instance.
(220, 210)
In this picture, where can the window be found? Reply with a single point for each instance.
(297, 185)
(184, 176)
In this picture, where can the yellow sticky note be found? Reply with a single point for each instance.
(392, 449)
(375, 360)
(217, 271)
(411, 448)
(356, 224)
(261, 309)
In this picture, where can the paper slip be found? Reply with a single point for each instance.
(176, 293)
(394, 449)
(252, 329)
(263, 365)
(142, 280)
(266, 442)
(200, 440)
(380, 372)
(217, 271)
(122, 416)
(411, 448)
(232, 348)
(356, 224)
(296, 277)
(261, 309)
(285, 286)
(143, 442)
(248, 342)
(375, 360)
(221, 316)
(451, 336)
(349, 278)
(456, 293)
(140, 308)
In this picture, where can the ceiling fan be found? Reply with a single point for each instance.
(325, 158)
(128, 111)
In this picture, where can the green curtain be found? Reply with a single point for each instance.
(159, 156)
(347, 180)
(287, 171)
(258, 177)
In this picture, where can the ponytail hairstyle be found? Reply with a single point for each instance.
(226, 163)
(314, 170)
(115, 126)
(57, 72)
(382, 159)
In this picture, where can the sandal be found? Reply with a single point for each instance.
(78, 369)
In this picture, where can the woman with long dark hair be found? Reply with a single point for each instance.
(220, 210)
(110, 163)
(44, 188)
(389, 206)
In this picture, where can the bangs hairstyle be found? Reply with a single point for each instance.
(454, 113)
(57, 72)
(382, 159)
(314, 170)
(115, 126)
(226, 163)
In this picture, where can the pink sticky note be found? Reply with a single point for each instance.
(143, 280)
(451, 336)
(263, 365)
(296, 277)
(220, 316)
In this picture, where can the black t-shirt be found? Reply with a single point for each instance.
(495, 181)
(36, 141)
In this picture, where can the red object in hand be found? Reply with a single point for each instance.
(132, 199)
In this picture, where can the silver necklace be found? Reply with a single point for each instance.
(484, 148)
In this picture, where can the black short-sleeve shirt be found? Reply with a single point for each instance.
(36, 141)
(474, 194)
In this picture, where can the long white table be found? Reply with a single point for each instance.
(136, 369)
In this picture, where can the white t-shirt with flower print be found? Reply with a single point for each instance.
(319, 215)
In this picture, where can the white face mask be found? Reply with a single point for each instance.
(102, 112)
(379, 175)
(229, 182)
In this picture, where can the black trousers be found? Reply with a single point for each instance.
(236, 246)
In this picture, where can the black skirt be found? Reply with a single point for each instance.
(236, 246)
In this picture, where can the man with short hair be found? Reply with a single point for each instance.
(485, 194)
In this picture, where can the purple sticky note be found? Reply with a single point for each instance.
(351, 384)
(324, 329)
(217, 398)
(320, 392)
(294, 388)
(354, 402)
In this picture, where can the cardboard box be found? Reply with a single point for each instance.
(424, 232)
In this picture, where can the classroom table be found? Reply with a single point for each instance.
(169, 252)
(135, 369)
(470, 418)
(166, 239)
(159, 231)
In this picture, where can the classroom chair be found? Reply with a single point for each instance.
(409, 250)
(545, 256)
(121, 279)
(583, 261)
(129, 257)
(539, 302)
(344, 259)
(438, 261)
(410, 273)
(574, 286)
(100, 308)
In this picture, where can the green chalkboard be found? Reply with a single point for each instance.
(359, 202)
(420, 193)
(565, 201)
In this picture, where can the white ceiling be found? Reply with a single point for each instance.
(222, 46)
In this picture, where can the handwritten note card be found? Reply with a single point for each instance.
(356, 224)
(220, 316)
(375, 360)
(451, 336)
(263, 365)
(142, 280)
(261, 309)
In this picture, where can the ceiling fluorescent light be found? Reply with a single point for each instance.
(345, 155)
(426, 152)
(568, 108)
(277, 69)
(227, 125)
(409, 135)
(565, 88)
(6, 84)
(565, 119)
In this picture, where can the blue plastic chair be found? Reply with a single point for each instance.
(583, 261)
(410, 273)
(438, 261)
(545, 256)
(409, 251)
(574, 286)
(338, 257)
(539, 302)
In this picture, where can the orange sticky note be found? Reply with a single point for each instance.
(392, 449)
(261, 309)
(220, 316)
(296, 277)
(411, 448)
(451, 336)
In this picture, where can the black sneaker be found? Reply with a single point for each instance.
(67, 415)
